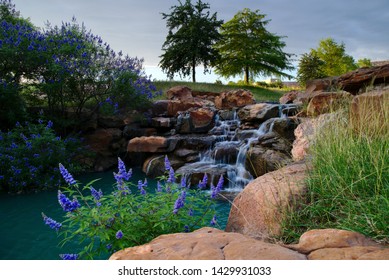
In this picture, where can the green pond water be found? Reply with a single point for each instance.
(23, 234)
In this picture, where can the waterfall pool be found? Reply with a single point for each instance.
(24, 236)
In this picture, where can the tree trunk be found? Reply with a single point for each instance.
(194, 71)
(246, 75)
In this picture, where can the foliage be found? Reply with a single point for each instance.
(12, 106)
(348, 186)
(192, 32)
(260, 93)
(132, 214)
(27, 154)
(364, 62)
(310, 67)
(67, 67)
(247, 47)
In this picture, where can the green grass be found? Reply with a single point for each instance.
(260, 94)
(348, 186)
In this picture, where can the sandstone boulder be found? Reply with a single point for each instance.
(152, 144)
(350, 253)
(258, 113)
(289, 97)
(234, 99)
(369, 112)
(207, 244)
(182, 93)
(330, 238)
(327, 102)
(260, 208)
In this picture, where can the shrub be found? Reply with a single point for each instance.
(348, 187)
(132, 214)
(27, 154)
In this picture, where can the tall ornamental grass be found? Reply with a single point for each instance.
(348, 186)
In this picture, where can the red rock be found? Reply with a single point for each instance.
(346, 253)
(145, 144)
(258, 210)
(289, 97)
(330, 238)
(258, 112)
(327, 102)
(201, 117)
(233, 99)
(181, 93)
(207, 244)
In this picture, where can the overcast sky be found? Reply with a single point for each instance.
(136, 26)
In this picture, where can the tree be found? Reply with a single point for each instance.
(247, 47)
(192, 32)
(336, 61)
(364, 62)
(310, 67)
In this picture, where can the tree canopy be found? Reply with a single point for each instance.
(328, 59)
(247, 47)
(192, 32)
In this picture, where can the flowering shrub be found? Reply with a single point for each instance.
(131, 215)
(27, 154)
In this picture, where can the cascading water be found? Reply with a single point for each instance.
(228, 155)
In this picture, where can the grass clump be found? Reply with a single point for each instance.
(348, 186)
(260, 93)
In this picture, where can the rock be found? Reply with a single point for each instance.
(234, 99)
(194, 172)
(162, 122)
(289, 97)
(111, 121)
(349, 253)
(174, 107)
(207, 244)
(159, 108)
(260, 161)
(154, 166)
(226, 152)
(182, 93)
(258, 113)
(352, 82)
(284, 127)
(151, 144)
(134, 130)
(330, 238)
(305, 134)
(202, 119)
(260, 208)
(327, 102)
(272, 140)
(369, 112)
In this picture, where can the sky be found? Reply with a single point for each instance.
(137, 28)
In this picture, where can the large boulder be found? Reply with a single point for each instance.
(369, 112)
(196, 120)
(233, 99)
(182, 93)
(151, 144)
(260, 160)
(289, 97)
(352, 82)
(207, 244)
(336, 244)
(258, 113)
(261, 207)
(327, 102)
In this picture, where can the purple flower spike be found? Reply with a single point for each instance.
(66, 175)
(119, 234)
(51, 223)
(171, 178)
(167, 164)
(159, 187)
(69, 257)
(213, 221)
(203, 183)
(179, 202)
(66, 204)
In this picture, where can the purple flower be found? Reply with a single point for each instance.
(159, 187)
(171, 178)
(203, 183)
(119, 234)
(215, 190)
(69, 257)
(183, 182)
(190, 212)
(96, 195)
(186, 228)
(49, 124)
(179, 202)
(122, 174)
(66, 204)
(66, 175)
(167, 164)
(51, 223)
(213, 221)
